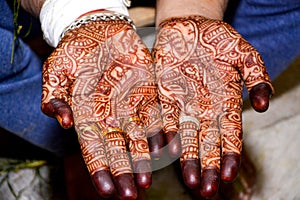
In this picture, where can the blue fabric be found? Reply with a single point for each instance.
(20, 93)
(271, 26)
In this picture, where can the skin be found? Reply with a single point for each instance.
(111, 176)
(213, 9)
(32, 6)
(201, 65)
(210, 132)
(101, 80)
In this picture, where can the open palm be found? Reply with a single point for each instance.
(100, 78)
(201, 66)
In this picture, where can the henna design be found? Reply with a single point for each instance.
(201, 65)
(231, 129)
(137, 142)
(104, 72)
(209, 145)
(117, 154)
(92, 147)
(189, 141)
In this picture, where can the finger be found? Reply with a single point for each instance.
(119, 163)
(125, 186)
(170, 116)
(151, 118)
(259, 96)
(142, 173)
(191, 173)
(190, 152)
(60, 110)
(209, 139)
(103, 182)
(173, 141)
(156, 143)
(254, 73)
(93, 152)
(210, 181)
(231, 138)
(55, 96)
(139, 151)
(230, 166)
(238, 52)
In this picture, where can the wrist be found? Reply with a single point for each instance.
(213, 9)
(102, 15)
(56, 15)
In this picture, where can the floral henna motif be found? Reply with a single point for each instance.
(201, 65)
(104, 72)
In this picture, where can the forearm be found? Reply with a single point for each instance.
(208, 8)
(32, 6)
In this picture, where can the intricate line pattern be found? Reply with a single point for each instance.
(189, 141)
(117, 154)
(201, 65)
(104, 72)
(137, 144)
(92, 146)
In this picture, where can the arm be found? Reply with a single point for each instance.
(213, 9)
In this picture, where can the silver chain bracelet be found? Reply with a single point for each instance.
(93, 17)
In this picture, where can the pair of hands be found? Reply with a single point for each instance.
(103, 80)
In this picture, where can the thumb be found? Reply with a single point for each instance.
(256, 78)
(56, 89)
(60, 110)
(259, 96)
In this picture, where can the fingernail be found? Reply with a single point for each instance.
(259, 97)
(230, 166)
(126, 187)
(209, 183)
(65, 121)
(191, 173)
(156, 144)
(143, 175)
(104, 184)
